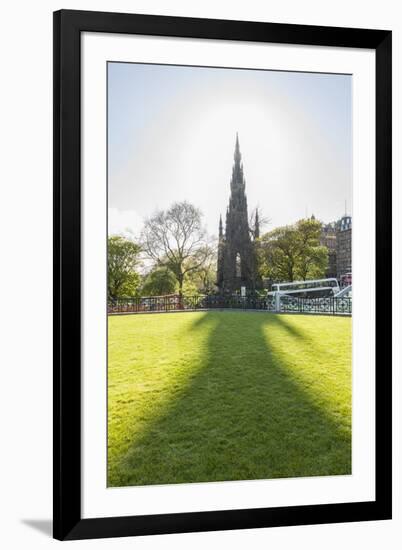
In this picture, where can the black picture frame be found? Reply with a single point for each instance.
(68, 26)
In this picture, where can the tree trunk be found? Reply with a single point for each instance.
(180, 280)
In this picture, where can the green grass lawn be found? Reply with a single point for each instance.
(210, 396)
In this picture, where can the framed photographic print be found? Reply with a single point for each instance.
(222, 274)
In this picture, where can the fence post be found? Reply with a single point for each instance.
(277, 302)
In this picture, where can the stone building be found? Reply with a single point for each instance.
(237, 262)
(337, 237)
(344, 246)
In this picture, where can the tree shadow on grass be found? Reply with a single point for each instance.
(242, 415)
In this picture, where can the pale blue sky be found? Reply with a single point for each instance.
(171, 134)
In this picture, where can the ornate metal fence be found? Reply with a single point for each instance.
(285, 304)
(174, 302)
(149, 304)
(329, 305)
(239, 302)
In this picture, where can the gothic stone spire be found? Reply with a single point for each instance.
(237, 183)
(256, 225)
(236, 261)
(220, 228)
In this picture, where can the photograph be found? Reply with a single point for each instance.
(198, 198)
(229, 274)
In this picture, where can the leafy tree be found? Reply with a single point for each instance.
(176, 239)
(293, 252)
(203, 278)
(190, 287)
(159, 282)
(313, 258)
(131, 286)
(123, 259)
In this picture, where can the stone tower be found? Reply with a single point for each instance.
(237, 265)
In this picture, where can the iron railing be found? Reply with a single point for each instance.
(285, 304)
(239, 302)
(149, 304)
(328, 305)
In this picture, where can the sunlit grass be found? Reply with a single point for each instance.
(227, 395)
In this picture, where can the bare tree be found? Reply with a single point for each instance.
(256, 216)
(175, 238)
(204, 277)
